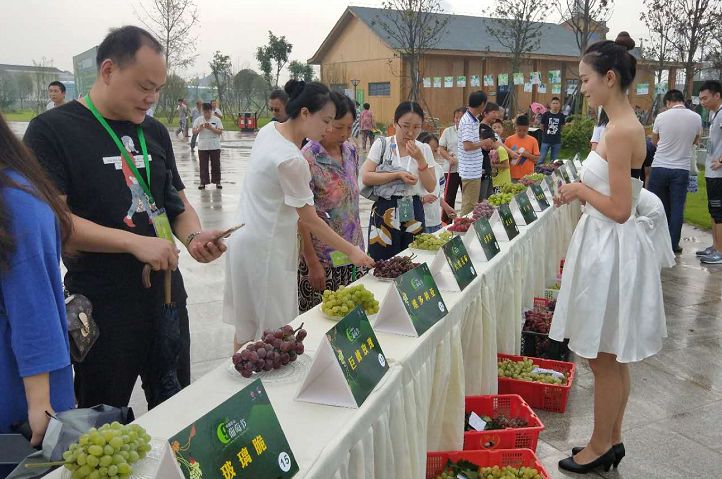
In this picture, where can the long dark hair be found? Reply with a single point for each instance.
(16, 156)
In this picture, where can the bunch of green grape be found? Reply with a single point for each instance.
(522, 370)
(498, 199)
(342, 301)
(509, 472)
(513, 188)
(107, 452)
(430, 242)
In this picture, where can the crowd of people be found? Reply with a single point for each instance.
(95, 180)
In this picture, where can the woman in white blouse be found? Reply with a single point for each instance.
(261, 288)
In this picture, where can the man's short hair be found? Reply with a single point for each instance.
(556, 98)
(522, 120)
(207, 107)
(279, 94)
(477, 99)
(491, 106)
(123, 43)
(57, 84)
(672, 95)
(712, 86)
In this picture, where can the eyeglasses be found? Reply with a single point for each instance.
(275, 110)
(407, 127)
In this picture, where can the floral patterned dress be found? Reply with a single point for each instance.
(336, 197)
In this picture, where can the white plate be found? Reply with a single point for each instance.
(371, 317)
(289, 373)
(147, 467)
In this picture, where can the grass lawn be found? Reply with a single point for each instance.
(695, 210)
(21, 115)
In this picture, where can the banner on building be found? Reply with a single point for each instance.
(535, 78)
(427, 82)
(488, 80)
(437, 82)
(475, 81)
(555, 76)
(528, 87)
(542, 88)
(448, 82)
(557, 89)
(461, 81)
(642, 88)
(503, 79)
(518, 78)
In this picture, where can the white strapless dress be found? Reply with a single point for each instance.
(611, 293)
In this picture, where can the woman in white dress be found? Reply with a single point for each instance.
(610, 305)
(262, 259)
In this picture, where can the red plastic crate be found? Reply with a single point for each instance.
(510, 405)
(549, 397)
(436, 461)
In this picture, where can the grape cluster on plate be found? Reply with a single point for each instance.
(107, 451)
(498, 422)
(342, 301)
(482, 210)
(394, 267)
(498, 199)
(277, 348)
(532, 178)
(430, 242)
(461, 224)
(546, 168)
(522, 370)
(513, 188)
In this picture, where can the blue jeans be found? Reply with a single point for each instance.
(545, 147)
(432, 229)
(670, 185)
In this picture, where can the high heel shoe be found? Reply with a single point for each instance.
(605, 461)
(619, 453)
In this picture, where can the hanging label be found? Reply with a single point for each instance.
(405, 205)
(339, 259)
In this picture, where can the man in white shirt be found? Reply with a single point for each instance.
(196, 113)
(56, 92)
(710, 97)
(216, 111)
(469, 154)
(209, 127)
(675, 132)
(448, 146)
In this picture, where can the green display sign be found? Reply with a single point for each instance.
(507, 221)
(421, 298)
(525, 207)
(550, 183)
(487, 238)
(565, 175)
(459, 262)
(358, 352)
(241, 438)
(540, 197)
(572, 168)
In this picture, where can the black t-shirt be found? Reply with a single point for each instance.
(487, 160)
(552, 124)
(84, 163)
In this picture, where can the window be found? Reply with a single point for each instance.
(380, 89)
(338, 87)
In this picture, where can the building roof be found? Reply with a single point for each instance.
(463, 33)
(62, 74)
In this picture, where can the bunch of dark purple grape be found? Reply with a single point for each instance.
(394, 267)
(277, 348)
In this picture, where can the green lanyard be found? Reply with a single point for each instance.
(124, 152)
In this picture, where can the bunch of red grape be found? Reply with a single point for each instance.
(482, 210)
(461, 225)
(394, 267)
(498, 422)
(277, 348)
(538, 321)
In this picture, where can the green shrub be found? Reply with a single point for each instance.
(576, 134)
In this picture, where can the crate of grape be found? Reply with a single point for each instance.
(498, 464)
(535, 339)
(337, 304)
(509, 423)
(531, 379)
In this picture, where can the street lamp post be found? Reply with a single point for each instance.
(355, 84)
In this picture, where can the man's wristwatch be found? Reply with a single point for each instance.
(191, 237)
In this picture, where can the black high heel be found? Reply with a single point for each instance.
(619, 453)
(604, 461)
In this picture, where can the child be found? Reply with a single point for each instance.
(209, 128)
(501, 174)
(434, 203)
(525, 147)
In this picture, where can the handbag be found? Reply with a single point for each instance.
(387, 190)
(368, 191)
(82, 330)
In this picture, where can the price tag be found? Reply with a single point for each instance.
(476, 422)
(339, 259)
(508, 222)
(540, 197)
(240, 438)
(487, 238)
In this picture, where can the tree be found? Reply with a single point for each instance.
(221, 69)
(659, 48)
(694, 25)
(518, 29)
(25, 87)
(300, 71)
(40, 79)
(413, 26)
(172, 22)
(250, 90)
(175, 87)
(8, 89)
(276, 51)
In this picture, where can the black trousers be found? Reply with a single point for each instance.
(453, 184)
(214, 157)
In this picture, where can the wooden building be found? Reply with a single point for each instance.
(358, 50)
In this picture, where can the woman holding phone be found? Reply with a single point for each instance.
(262, 264)
(401, 171)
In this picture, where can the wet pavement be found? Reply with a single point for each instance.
(673, 426)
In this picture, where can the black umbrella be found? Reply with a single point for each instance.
(166, 346)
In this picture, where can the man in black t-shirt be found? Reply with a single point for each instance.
(113, 237)
(552, 123)
(490, 114)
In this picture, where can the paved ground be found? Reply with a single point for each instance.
(673, 427)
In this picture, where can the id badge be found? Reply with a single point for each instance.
(339, 259)
(161, 224)
(406, 208)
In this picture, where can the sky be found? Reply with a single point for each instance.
(55, 30)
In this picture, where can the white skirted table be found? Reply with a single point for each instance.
(419, 405)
